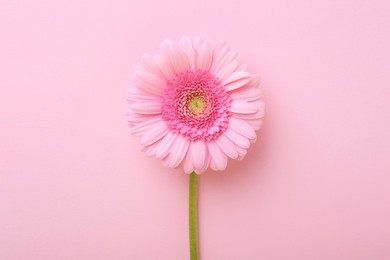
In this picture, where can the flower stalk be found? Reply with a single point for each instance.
(193, 216)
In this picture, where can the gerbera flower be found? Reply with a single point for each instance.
(194, 105)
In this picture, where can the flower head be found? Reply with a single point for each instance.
(193, 105)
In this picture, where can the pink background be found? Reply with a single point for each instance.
(74, 185)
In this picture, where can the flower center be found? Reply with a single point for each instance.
(195, 105)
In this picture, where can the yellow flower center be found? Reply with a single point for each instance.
(196, 104)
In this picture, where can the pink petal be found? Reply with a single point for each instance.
(213, 166)
(151, 149)
(188, 164)
(259, 103)
(145, 125)
(136, 119)
(206, 162)
(232, 55)
(241, 153)
(178, 151)
(246, 93)
(198, 152)
(204, 56)
(165, 67)
(149, 82)
(242, 107)
(154, 134)
(242, 67)
(243, 128)
(255, 123)
(238, 139)
(164, 146)
(134, 96)
(198, 42)
(237, 84)
(227, 146)
(225, 59)
(186, 45)
(227, 70)
(219, 52)
(236, 76)
(258, 115)
(165, 47)
(148, 63)
(149, 88)
(179, 60)
(218, 157)
(149, 107)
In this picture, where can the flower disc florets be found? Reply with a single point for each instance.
(195, 104)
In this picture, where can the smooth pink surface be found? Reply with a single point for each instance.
(74, 185)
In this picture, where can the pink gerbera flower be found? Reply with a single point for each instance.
(194, 105)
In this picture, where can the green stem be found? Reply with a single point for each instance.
(193, 216)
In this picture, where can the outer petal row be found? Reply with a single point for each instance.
(173, 59)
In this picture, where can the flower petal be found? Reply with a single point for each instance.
(198, 41)
(165, 46)
(186, 45)
(149, 107)
(179, 59)
(151, 149)
(206, 162)
(227, 146)
(242, 107)
(241, 153)
(154, 134)
(246, 93)
(243, 128)
(242, 67)
(237, 84)
(149, 82)
(146, 125)
(178, 151)
(188, 163)
(149, 88)
(133, 96)
(219, 52)
(198, 152)
(255, 123)
(204, 57)
(218, 157)
(165, 67)
(236, 79)
(134, 119)
(258, 115)
(225, 59)
(164, 146)
(227, 70)
(238, 139)
(149, 64)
